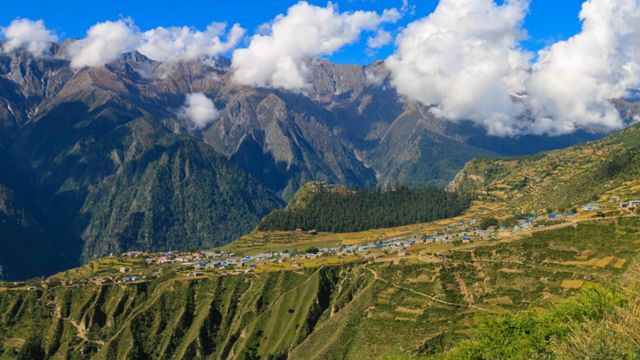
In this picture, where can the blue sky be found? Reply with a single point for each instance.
(547, 21)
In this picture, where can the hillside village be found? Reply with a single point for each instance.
(138, 266)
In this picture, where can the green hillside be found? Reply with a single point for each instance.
(176, 191)
(558, 180)
(422, 304)
(338, 209)
(26, 250)
(561, 289)
(113, 180)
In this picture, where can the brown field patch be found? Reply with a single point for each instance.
(385, 296)
(545, 281)
(429, 259)
(572, 284)
(400, 318)
(600, 263)
(563, 247)
(585, 254)
(406, 310)
(502, 300)
(547, 296)
(509, 271)
(604, 261)
(383, 316)
(422, 278)
(617, 263)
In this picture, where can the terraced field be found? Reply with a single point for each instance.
(420, 304)
(559, 180)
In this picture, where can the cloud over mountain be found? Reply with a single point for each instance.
(185, 43)
(573, 81)
(104, 43)
(108, 40)
(276, 59)
(199, 109)
(29, 34)
(464, 60)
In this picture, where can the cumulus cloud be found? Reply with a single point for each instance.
(104, 43)
(28, 34)
(381, 39)
(277, 57)
(465, 61)
(573, 81)
(184, 43)
(198, 109)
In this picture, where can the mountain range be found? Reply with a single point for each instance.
(99, 160)
(564, 288)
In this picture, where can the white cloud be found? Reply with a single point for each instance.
(407, 8)
(277, 58)
(573, 80)
(375, 76)
(381, 39)
(199, 109)
(464, 59)
(29, 34)
(185, 43)
(104, 43)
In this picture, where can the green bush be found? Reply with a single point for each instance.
(532, 334)
(488, 222)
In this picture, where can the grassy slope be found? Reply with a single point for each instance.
(420, 305)
(558, 180)
(416, 305)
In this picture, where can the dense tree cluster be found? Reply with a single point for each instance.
(361, 210)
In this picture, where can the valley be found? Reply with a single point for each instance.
(244, 197)
(108, 165)
(429, 290)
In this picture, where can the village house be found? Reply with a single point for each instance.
(630, 204)
(591, 207)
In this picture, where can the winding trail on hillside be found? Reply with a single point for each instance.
(376, 276)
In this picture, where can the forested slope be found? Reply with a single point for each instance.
(338, 209)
